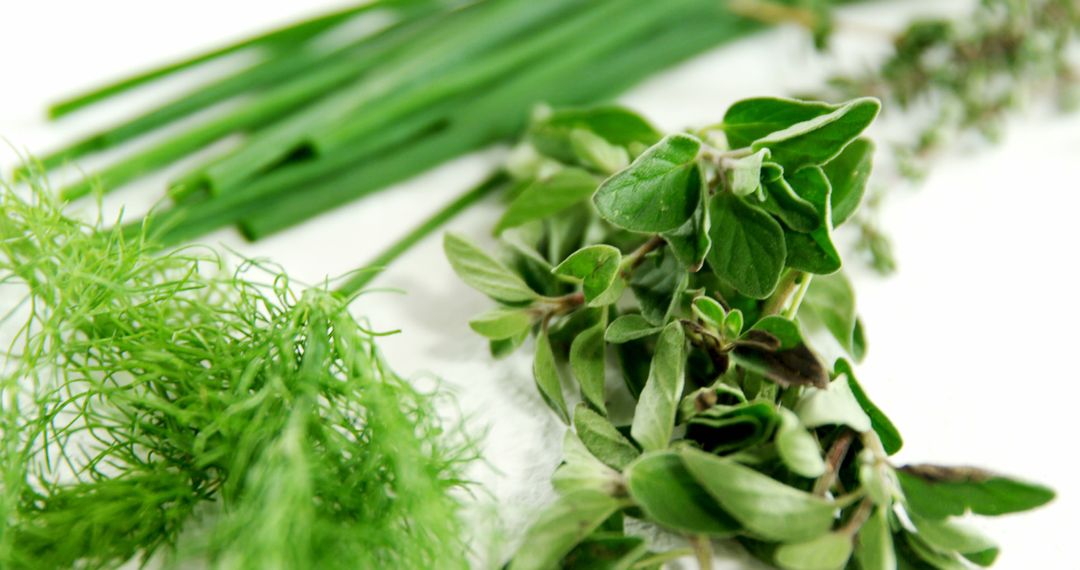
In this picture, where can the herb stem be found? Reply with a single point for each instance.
(833, 460)
(800, 294)
(637, 257)
(363, 277)
(776, 302)
(858, 518)
(702, 551)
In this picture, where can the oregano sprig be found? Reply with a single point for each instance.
(704, 266)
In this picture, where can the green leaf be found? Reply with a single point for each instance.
(751, 119)
(795, 211)
(748, 249)
(551, 133)
(818, 140)
(760, 503)
(914, 553)
(744, 174)
(562, 526)
(660, 484)
(951, 536)
(847, 174)
(630, 327)
(774, 348)
(657, 284)
(724, 429)
(596, 266)
(602, 439)
(606, 553)
(502, 323)
(830, 302)
(548, 196)
(876, 477)
(827, 552)
(733, 324)
(710, 310)
(813, 252)
(874, 544)
(596, 152)
(690, 242)
(936, 492)
(484, 273)
(835, 405)
(797, 448)
(546, 374)
(505, 346)
(654, 416)
(581, 470)
(890, 437)
(658, 192)
(587, 364)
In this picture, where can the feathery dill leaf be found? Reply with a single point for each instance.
(154, 394)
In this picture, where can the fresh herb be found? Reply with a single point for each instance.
(329, 114)
(705, 267)
(962, 76)
(155, 404)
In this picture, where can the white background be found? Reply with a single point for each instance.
(973, 344)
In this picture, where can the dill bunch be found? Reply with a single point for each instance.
(156, 403)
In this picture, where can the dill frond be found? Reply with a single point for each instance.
(154, 394)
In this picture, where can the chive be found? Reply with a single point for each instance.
(546, 42)
(260, 76)
(603, 68)
(284, 35)
(462, 37)
(263, 109)
(295, 193)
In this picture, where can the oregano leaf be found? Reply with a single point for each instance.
(748, 249)
(827, 552)
(760, 503)
(818, 140)
(587, 364)
(662, 487)
(654, 416)
(562, 526)
(502, 323)
(546, 375)
(596, 266)
(751, 119)
(484, 273)
(602, 439)
(548, 196)
(658, 192)
(848, 174)
(630, 327)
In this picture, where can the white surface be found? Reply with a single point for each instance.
(970, 344)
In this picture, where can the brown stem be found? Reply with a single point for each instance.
(833, 460)
(637, 257)
(859, 518)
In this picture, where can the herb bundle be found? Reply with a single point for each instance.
(155, 404)
(329, 114)
(704, 263)
(963, 76)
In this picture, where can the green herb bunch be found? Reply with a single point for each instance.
(347, 103)
(156, 404)
(965, 75)
(703, 263)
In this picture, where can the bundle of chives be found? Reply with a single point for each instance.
(326, 123)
